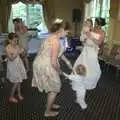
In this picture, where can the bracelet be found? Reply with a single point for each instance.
(68, 63)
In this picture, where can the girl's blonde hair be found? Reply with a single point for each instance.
(80, 70)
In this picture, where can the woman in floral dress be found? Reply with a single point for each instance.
(46, 67)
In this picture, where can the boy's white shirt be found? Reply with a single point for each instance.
(79, 87)
(77, 81)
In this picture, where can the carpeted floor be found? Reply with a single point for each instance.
(103, 102)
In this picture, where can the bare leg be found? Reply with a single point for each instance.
(26, 63)
(12, 98)
(50, 101)
(19, 92)
(55, 106)
(81, 98)
(25, 60)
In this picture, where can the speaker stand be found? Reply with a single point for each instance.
(76, 26)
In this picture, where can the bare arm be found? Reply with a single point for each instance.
(97, 38)
(54, 53)
(70, 77)
(22, 52)
(11, 56)
(66, 61)
(66, 75)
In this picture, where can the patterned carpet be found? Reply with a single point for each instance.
(103, 102)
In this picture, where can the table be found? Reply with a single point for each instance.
(34, 43)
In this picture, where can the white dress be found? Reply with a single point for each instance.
(16, 70)
(89, 58)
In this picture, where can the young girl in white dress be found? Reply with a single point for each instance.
(77, 78)
(15, 69)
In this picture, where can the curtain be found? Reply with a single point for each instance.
(5, 12)
(97, 8)
(5, 9)
(49, 12)
(10, 20)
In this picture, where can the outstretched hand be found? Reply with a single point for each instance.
(65, 75)
(69, 65)
(60, 72)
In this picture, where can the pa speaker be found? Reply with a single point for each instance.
(76, 15)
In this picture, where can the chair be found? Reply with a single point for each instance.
(115, 60)
(104, 56)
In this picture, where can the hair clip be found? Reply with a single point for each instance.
(58, 20)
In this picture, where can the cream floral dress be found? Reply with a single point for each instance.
(45, 77)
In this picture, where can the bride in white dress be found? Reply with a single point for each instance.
(89, 56)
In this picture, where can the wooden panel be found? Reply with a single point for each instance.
(114, 8)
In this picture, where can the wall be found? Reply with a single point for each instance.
(63, 9)
(114, 30)
(117, 34)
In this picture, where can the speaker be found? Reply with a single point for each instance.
(76, 15)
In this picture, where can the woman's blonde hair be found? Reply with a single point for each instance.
(59, 23)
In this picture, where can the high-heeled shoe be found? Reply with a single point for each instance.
(20, 97)
(51, 114)
(13, 100)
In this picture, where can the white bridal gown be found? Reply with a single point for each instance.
(89, 58)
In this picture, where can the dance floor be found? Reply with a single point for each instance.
(103, 102)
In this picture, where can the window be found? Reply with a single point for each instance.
(31, 14)
(99, 8)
